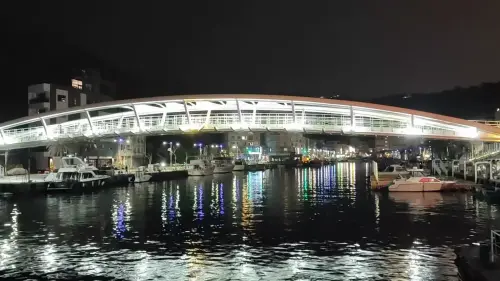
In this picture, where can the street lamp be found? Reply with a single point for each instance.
(199, 145)
(171, 149)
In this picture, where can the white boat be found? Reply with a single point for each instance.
(200, 167)
(417, 182)
(74, 173)
(393, 170)
(223, 165)
(239, 165)
(140, 176)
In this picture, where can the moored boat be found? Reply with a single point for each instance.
(417, 182)
(222, 165)
(75, 174)
(140, 176)
(239, 165)
(200, 167)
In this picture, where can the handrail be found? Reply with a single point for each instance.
(495, 245)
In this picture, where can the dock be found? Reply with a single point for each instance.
(480, 262)
(35, 183)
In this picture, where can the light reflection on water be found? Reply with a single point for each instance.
(298, 224)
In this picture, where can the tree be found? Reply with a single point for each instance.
(58, 149)
(149, 156)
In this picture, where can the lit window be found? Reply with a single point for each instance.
(77, 84)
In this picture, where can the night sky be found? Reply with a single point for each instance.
(358, 49)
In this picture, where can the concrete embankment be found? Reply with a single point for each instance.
(35, 184)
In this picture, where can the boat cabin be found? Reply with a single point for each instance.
(239, 162)
(76, 176)
(222, 161)
(394, 169)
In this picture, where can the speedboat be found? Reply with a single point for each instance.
(74, 174)
(223, 165)
(200, 167)
(239, 165)
(417, 182)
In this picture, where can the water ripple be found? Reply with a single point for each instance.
(301, 224)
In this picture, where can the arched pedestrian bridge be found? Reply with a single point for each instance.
(222, 113)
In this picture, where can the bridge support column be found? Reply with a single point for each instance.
(353, 121)
(240, 116)
(89, 119)
(138, 119)
(6, 155)
(163, 117)
(254, 114)
(45, 128)
(294, 114)
(2, 135)
(303, 121)
(207, 119)
(188, 115)
(120, 121)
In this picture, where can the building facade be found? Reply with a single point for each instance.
(86, 87)
(81, 90)
(284, 143)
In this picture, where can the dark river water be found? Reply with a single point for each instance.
(302, 224)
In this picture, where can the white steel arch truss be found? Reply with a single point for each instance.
(222, 113)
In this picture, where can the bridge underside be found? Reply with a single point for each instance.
(182, 115)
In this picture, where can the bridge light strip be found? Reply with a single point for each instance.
(227, 105)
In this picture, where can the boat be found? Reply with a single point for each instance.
(239, 165)
(292, 163)
(200, 167)
(393, 170)
(140, 176)
(417, 182)
(75, 174)
(315, 163)
(254, 166)
(223, 165)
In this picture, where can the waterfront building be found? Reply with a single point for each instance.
(85, 87)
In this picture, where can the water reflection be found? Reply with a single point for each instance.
(309, 223)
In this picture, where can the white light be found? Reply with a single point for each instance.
(470, 132)
(234, 146)
(177, 144)
(412, 131)
(114, 140)
(128, 141)
(164, 143)
(347, 129)
(163, 164)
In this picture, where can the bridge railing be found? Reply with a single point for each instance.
(122, 124)
(494, 123)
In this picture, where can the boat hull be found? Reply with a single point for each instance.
(143, 178)
(239, 168)
(201, 172)
(416, 187)
(223, 169)
(256, 167)
(73, 185)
